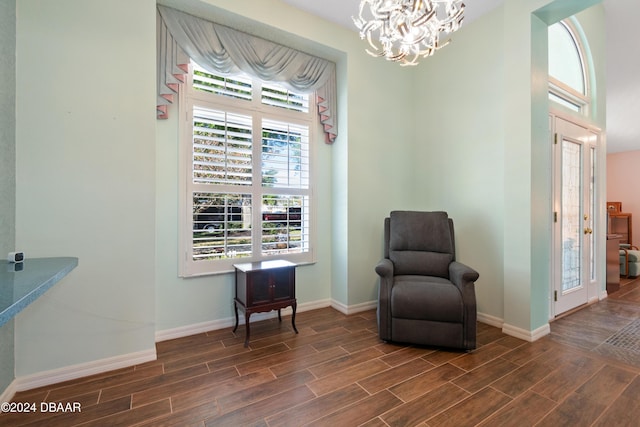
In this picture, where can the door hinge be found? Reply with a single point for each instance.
(555, 138)
(555, 296)
(555, 217)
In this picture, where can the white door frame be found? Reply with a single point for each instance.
(592, 272)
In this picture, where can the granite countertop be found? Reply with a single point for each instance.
(23, 283)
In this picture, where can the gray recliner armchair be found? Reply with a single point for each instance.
(425, 296)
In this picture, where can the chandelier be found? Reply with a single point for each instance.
(405, 30)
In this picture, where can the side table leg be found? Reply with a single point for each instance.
(246, 326)
(279, 316)
(293, 316)
(235, 307)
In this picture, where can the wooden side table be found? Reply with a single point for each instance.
(265, 286)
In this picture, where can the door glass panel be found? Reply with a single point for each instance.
(571, 215)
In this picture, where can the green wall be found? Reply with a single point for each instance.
(7, 167)
(460, 148)
(486, 155)
(85, 160)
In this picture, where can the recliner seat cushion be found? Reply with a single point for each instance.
(426, 298)
(421, 263)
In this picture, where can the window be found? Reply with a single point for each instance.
(568, 84)
(246, 160)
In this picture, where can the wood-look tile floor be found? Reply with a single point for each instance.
(336, 372)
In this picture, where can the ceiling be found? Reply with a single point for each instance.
(622, 69)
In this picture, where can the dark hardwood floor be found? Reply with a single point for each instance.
(336, 372)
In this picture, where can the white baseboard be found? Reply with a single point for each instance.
(490, 320)
(80, 370)
(9, 392)
(514, 331)
(198, 328)
(352, 309)
(523, 334)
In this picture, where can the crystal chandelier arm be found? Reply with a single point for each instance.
(404, 30)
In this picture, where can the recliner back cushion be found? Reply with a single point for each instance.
(420, 243)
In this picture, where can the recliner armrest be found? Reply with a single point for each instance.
(460, 273)
(384, 268)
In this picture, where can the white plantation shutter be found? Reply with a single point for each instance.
(221, 226)
(236, 87)
(280, 97)
(248, 185)
(285, 224)
(222, 147)
(285, 154)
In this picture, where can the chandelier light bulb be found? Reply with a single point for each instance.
(406, 30)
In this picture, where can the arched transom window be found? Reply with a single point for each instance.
(568, 80)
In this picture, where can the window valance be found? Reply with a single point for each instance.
(227, 51)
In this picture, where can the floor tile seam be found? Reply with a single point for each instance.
(84, 392)
(395, 408)
(393, 385)
(587, 337)
(161, 384)
(603, 325)
(517, 366)
(247, 352)
(93, 420)
(200, 360)
(568, 395)
(379, 416)
(605, 344)
(586, 380)
(500, 356)
(322, 361)
(532, 385)
(191, 347)
(608, 360)
(368, 395)
(342, 347)
(270, 365)
(553, 408)
(244, 407)
(146, 420)
(633, 305)
(469, 396)
(70, 384)
(349, 368)
(495, 411)
(613, 401)
(146, 390)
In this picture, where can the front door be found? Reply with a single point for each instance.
(574, 195)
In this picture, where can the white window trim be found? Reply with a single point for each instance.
(564, 91)
(569, 94)
(186, 266)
